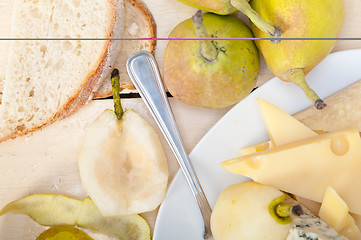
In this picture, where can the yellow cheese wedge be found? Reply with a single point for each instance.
(357, 219)
(282, 128)
(335, 212)
(351, 232)
(256, 148)
(307, 167)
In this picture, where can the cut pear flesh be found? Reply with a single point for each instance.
(307, 167)
(122, 164)
(51, 210)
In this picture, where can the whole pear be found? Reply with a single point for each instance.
(221, 7)
(291, 60)
(225, 7)
(211, 73)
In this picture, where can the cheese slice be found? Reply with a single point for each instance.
(308, 166)
(352, 232)
(256, 148)
(282, 128)
(335, 212)
(357, 219)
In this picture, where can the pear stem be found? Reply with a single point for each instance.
(118, 110)
(207, 48)
(244, 7)
(297, 76)
(284, 210)
(280, 211)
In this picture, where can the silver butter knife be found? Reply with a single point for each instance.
(143, 71)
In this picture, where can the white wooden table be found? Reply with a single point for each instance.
(45, 161)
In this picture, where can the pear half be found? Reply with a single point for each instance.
(122, 164)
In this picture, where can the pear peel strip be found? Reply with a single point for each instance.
(52, 210)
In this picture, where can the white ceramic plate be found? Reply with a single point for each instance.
(179, 216)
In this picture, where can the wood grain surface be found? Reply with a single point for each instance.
(45, 162)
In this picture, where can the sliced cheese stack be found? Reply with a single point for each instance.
(307, 164)
(334, 211)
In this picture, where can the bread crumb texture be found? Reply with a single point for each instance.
(43, 76)
(138, 23)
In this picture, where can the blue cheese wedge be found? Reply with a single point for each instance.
(309, 227)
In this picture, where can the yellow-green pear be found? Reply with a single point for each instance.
(64, 232)
(210, 73)
(225, 7)
(291, 60)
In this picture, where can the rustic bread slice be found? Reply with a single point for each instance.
(138, 23)
(46, 80)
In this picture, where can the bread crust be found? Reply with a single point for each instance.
(147, 15)
(153, 26)
(85, 92)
